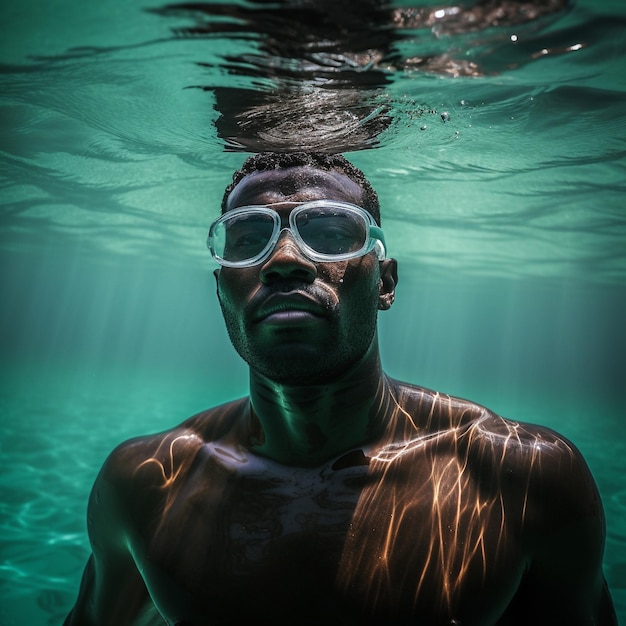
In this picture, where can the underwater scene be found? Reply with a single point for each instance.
(493, 132)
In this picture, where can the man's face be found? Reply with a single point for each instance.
(292, 319)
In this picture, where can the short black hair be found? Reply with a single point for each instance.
(327, 162)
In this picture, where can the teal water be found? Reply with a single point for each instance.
(507, 216)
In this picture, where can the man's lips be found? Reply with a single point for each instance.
(289, 308)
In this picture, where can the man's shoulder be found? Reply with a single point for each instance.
(434, 410)
(484, 437)
(150, 458)
(141, 474)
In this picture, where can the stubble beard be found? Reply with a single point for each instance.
(303, 362)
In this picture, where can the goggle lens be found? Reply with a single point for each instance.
(243, 236)
(330, 231)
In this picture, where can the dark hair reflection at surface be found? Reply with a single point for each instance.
(318, 68)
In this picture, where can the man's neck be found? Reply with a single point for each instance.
(308, 425)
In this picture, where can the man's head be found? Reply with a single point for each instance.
(293, 319)
(333, 163)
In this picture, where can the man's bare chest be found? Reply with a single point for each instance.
(351, 536)
(265, 515)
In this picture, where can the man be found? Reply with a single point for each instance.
(334, 494)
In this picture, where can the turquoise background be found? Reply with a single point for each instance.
(507, 220)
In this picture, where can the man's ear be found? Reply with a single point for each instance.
(216, 273)
(388, 282)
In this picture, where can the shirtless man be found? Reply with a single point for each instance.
(333, 494)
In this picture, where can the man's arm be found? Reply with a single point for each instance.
(565, 579)
(112, 590)
(565, 531)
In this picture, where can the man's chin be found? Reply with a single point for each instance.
(296, 374)
(303, 369)
(304, 359)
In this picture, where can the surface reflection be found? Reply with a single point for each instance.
(318, 68)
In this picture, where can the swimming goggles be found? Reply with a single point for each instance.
(325, 231)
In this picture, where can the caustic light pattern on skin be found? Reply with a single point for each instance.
(437, 502)
(455, 539)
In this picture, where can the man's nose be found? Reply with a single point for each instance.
(288, 261)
